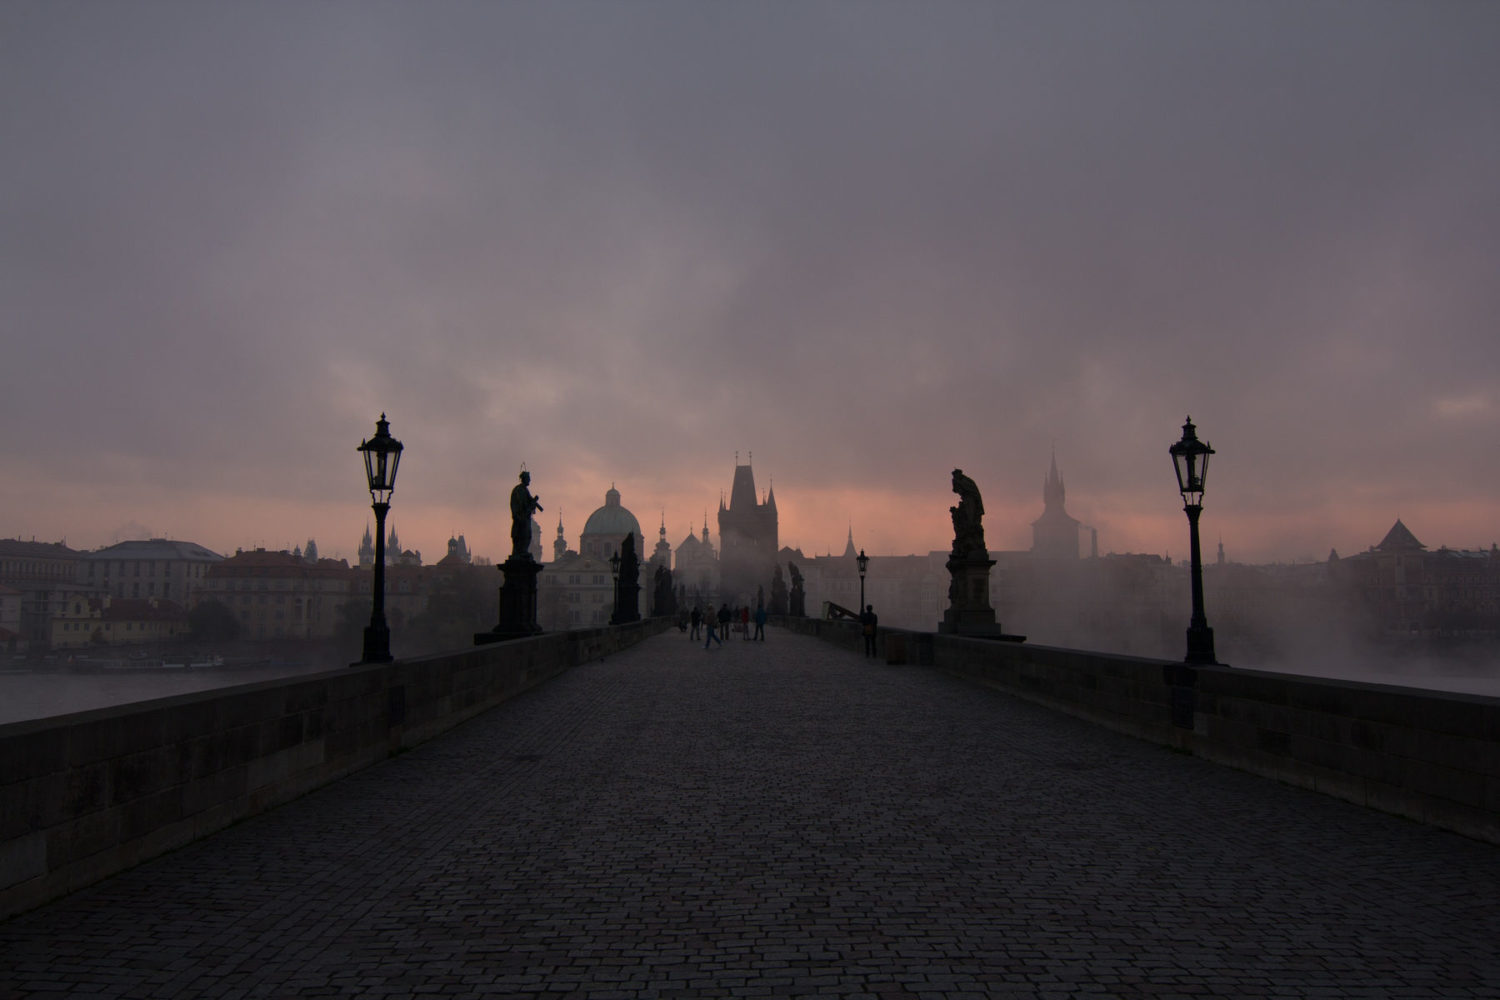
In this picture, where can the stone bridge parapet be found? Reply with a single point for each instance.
(1431, 756)
(85, 795)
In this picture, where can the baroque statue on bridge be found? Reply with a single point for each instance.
(968, 529)
(798, 597)
(522, 504)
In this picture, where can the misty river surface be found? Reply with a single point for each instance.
(39, 693)
(1426, 675)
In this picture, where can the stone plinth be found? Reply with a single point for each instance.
(969, 609)
(517, 602)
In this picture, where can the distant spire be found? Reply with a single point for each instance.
(1053, 491)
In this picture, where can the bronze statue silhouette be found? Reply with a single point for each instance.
(522, 504)
(628, 586)
(778, 604)
(798, 597)
(968, 529)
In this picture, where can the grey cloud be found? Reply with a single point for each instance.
(828, 233)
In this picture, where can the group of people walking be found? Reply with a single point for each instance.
(717, 624)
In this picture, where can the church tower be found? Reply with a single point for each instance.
(559, 544)
(367, 550)
(748, 538)
(1054, 535)
(662, 556)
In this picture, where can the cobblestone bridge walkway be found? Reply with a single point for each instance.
(784, 819)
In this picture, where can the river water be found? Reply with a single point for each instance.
(39, 692)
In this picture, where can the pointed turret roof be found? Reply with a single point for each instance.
(742, 492)
(1400, 539)
(849, 552)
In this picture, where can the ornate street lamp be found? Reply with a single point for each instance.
(382, 454)
(614, 569)
(1190, 457)
(864, 564)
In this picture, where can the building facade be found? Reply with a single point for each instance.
(118, 621)
(276, 595)
(10, 618)
(47, 577)
(139, 570)
(696, 568)
(574, 591)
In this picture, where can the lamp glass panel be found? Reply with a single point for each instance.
(393, 459)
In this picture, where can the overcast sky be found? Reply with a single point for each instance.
(867, 242)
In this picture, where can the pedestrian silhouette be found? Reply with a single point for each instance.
(868, 620)
(709, 622)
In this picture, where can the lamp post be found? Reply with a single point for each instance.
(864, 564)
(1190, 458)
(614, 569)
(382, 454)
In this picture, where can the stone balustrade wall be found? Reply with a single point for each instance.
(1431, 756)
(85, 795)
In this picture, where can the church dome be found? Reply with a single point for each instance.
(612, 519)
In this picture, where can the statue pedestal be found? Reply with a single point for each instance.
(517, 602)
(969, 609)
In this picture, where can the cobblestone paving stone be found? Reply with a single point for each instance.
(784, 819)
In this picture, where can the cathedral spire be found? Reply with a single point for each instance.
(1053, 491)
